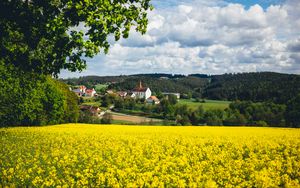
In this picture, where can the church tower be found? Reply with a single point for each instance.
(141, 84)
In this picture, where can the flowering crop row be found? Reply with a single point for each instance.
(149, 156)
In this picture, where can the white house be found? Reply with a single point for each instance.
(90, 92)
(80, 91)
(83, 91)
(142, 92)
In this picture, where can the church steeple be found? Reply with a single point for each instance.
(141, 84)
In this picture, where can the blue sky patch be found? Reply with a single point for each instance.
(263, 3)
(170, 3)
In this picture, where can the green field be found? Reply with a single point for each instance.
(90, 101)
(122, 122)
(208, 104)
(82, 155)
(101, 87)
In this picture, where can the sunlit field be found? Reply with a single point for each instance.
(207, 105)
(149, 156)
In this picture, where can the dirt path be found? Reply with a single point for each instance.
(134, 119)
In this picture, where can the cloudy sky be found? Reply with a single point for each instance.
(208, 36)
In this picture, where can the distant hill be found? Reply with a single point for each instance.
(262, 86)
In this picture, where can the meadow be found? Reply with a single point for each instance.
(101, 87)
(207, 105)
(78, 155)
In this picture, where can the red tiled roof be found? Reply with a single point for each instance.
(89, 90)
(153, 98)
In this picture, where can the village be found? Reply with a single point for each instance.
(140, 92)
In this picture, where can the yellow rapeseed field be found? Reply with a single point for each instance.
(149, 156)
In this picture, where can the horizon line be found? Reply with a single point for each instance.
(180, 74)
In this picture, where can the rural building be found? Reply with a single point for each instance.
(142, 92)
(153, 100)
(83, 91)
(94, 110)
(90, 92)
(131, 95)
(80, 90)
(176, 94)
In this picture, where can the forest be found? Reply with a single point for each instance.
(238, 113)
(257, 87)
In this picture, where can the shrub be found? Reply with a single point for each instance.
(106, 119)
(262, 123)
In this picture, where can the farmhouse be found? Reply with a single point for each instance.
(90, 92)
(142, 92)
(77, 92)
(80, 91)
(83, 91)
(153, 100)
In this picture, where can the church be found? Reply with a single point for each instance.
(142, 92)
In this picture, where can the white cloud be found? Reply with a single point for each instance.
(185, 9)
(215, 37)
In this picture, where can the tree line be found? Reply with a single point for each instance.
(256, 87)
(239, 113)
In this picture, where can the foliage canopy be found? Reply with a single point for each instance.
(33, 99)
(47, 36)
